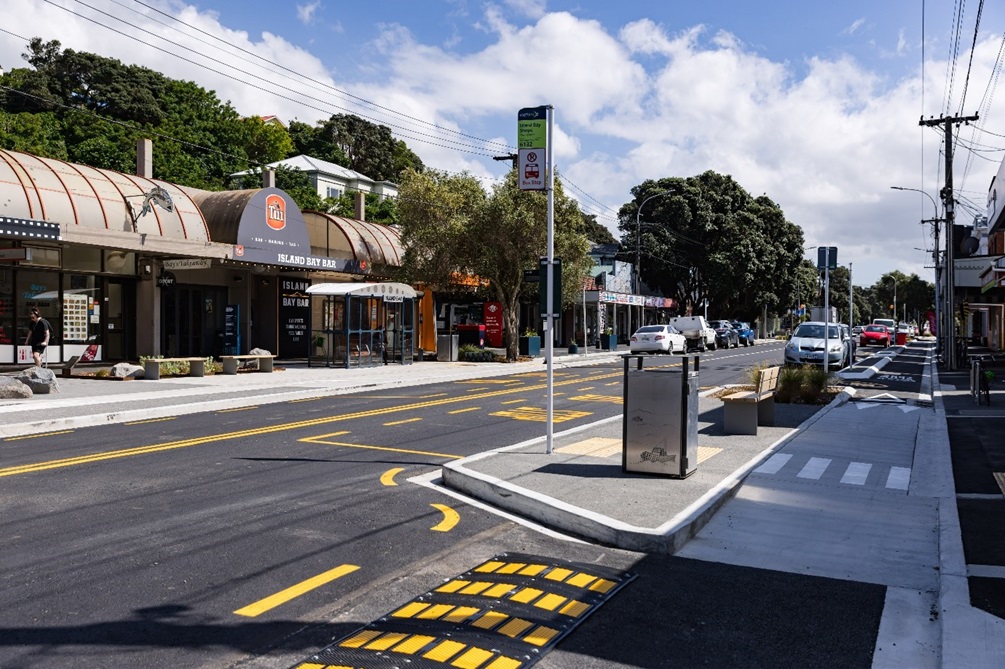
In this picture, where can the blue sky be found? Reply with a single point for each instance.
(814, 104)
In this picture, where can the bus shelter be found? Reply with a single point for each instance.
(362, 324)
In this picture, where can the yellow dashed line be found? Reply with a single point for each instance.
(464, 410)
(320, 440)
(514, 401)
(402, 422)
(150, 420)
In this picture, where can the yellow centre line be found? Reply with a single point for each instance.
(514, 401)
(151, 420)
(271, 429)
(283, 596)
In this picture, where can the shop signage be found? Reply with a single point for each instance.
(232, 329)
(493, 317)
(271, 220)
(166, 280)
(187, 263)
(15, 254)
(294, 318)
(300, 261)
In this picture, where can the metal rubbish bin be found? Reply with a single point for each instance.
(660, 427)
(901, 338)
(446, 348)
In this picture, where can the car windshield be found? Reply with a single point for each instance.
(651, 328)
(816, 331)
(875, 328)
(719, 324)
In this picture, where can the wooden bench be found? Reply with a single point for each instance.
(67, 370)
(743, 411)
(152, 367)
(230, 362)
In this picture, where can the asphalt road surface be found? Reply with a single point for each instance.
(255, 537)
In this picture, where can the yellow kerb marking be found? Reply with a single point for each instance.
(472, 659)
(434, 612)
(498, 590)
(527, 595)
(409, 646)
(541, 636)
(574, 609)
(602, 585)
(515, 627)
(453, 586)
(460, 613)
(558, 574)
(550, 602)
(386, 641)
(444, 651)
(387, 478)
(464, 410)
(705, 452)
(489, 620)
(489, 567)
(511, 568)
(358, 640)
(475, 588)
(581, 580)
(409, 610)
(532, 570)
(504, 663)
(271, 602)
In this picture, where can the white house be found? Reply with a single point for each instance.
(333, 180)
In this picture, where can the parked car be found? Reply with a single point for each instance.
(745, 332)
(700, 336)
(807, 346)
(725, 335)
(856, 331)
(875, 335)
(658, 339)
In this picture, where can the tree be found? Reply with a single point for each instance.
(450, 225)
(355, 143)
(707, 238)
(595, 231)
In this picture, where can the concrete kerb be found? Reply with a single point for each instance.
(669, 537)
(970, 637)
(870, 371)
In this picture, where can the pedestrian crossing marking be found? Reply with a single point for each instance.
(814, 469)
(857, 473)
(899, 478)
(773, 464)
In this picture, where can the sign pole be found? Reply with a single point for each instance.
(550, 323)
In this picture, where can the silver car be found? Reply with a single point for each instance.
(807, 346)
(658, 339)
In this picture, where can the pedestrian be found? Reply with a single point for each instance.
(38, 336)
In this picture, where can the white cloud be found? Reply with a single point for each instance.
(850, 30)
(305, 13)
(534, 9)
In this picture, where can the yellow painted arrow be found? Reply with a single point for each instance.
(450, 518)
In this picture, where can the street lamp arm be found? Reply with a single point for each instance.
(918, 190)
(638, 239)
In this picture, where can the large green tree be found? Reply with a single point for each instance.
(354, 142)
(450, 225)
(705, 237)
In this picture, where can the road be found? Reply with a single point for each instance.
(257, 536)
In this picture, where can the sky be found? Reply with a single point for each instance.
(816, 105)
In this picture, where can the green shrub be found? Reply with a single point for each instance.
(789, 381)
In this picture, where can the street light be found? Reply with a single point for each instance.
(946, 328)
(638, 237)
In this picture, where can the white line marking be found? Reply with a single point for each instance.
(773, 464)
(814, 469)
(899, 479)
(986, 571)
(856, 473)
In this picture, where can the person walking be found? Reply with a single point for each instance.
(38, 336)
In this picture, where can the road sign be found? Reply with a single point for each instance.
(556, 288)
(827, 257)
(532, 275)
(532, 148)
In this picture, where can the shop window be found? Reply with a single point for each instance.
(81, 309)
(8, 333)
(37, 290)
(82, 259)
(43, 256)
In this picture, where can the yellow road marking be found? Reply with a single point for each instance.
(598, 447)
(514, 401)
(402, 422)
(271, 429)
(583, 390)
(475, 390)
(308, 399)
(705, 452)
(613, 399)
(319, 440)
(237, 409)
(540, 415)
(464, 410)
(387, 478)
(283, 596)
(35, 436)
(151, 420)
(450, 518)
(434, 395)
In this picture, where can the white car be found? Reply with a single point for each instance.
(807, 345)
(658, 339)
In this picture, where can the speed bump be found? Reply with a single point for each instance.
(506, 613)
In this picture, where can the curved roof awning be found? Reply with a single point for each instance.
(390, 291)
(372, 243)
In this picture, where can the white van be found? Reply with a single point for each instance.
(890, 324)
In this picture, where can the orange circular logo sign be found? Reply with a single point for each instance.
(275, 212)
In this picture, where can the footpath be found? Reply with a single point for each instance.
(861, 490)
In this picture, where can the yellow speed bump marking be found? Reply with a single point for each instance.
(270, 429)
(450, 518)
(387, 478)
(283, 596)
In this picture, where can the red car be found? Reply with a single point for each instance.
(875, 335)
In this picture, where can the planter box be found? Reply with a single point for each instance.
(530, 346)
(609, 342)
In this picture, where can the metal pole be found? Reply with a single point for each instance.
(827, 311)
(550, 298)
(586, 345)
(851, 303)
(950, 256)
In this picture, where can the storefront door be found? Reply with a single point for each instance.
(119, 336)
(192, 320)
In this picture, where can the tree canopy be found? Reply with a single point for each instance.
(705, 237)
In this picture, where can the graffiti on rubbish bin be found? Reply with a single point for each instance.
(657, 455)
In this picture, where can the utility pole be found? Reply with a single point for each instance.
(949, 202)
